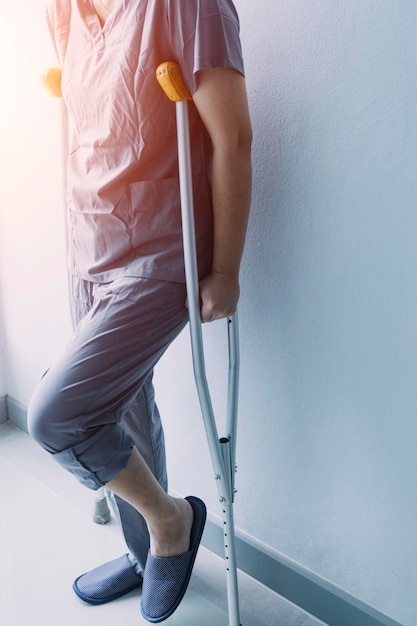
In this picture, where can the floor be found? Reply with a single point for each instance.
(47, 538)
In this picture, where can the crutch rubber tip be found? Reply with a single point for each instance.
(101, 511)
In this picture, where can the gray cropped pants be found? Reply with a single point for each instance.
(97, 401)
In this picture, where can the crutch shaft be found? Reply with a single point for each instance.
(231, 565)
(222, 451)
(233, 384)
(193, 298)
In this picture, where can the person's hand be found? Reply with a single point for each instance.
(219, 295)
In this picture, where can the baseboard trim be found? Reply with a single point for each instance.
(3, 409)
(287, 578)
(17, 414)
(296, 583)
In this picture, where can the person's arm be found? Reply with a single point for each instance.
(221, 101)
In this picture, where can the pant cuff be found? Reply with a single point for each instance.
(99, 458)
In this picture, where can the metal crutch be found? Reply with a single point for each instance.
(223, 450)
(51, 80)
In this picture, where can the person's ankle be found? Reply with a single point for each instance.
(171, 534)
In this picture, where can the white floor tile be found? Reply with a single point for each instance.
(7, 432)
(42, 594)
(45, 543)
(47, 539)
(33, 520)
(29, 457)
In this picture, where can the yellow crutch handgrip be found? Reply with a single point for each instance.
(170, 78)
(51, 80)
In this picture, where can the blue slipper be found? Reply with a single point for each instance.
(107, 582)
(165, 579)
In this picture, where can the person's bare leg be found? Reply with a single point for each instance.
(169, 519)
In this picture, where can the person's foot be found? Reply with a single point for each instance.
(170, 536)
(166, 578)
(107, 582)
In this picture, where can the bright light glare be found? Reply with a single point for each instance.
(8, 73)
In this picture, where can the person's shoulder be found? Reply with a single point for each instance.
(207, 6)
(198, 11)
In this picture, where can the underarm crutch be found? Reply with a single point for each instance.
(51, 80)
(223, 450)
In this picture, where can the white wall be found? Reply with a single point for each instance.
(32, 248)
(2, 353)
(328, 432)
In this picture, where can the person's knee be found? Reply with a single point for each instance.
(40, 421)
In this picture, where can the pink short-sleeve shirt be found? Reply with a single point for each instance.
(122, 173)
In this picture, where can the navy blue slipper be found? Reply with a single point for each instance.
(165, 579)
(107, 582)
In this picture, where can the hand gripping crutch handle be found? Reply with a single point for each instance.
(170, 78)
(222, 451)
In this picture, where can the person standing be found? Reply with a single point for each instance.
(94, 411)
